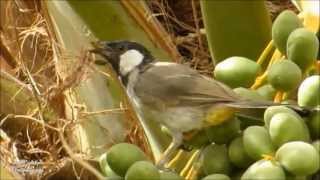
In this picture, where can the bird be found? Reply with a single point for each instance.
(177, 96)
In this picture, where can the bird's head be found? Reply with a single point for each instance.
(124, 56)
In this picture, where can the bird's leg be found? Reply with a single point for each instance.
(174, 145)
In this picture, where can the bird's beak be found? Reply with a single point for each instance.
(101, 48)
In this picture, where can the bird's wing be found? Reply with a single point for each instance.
(171, 84)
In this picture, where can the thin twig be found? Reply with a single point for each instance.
(196, 23)
(34, 119)
(105, 111)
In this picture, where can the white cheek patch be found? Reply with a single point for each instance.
(129, 60)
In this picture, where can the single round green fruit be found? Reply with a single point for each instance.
(105, 168)
(308, 93)
(257, 142)
(282, 26)
(216, 177)
(263, 170)
(225, 132)
(237, 71)
(298, 158)
(237, 154)
(285, 127)
(302, 48)
(142, 170)
(267, 91)
(248, 94)
(284, 75)
(216, 160)
(121, 156)
(272, 110)
(169, 175)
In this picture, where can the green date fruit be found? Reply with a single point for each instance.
(142, 170)
(308, 92)
(284, 75)
(272, 110)
(121, 156)
(237, 154)
(298, 158)
(237, 71)
(257, 142)
(302, 48)
(267, 91)
(263, 170)
(285, 127)
(216, 160)
(282, 26)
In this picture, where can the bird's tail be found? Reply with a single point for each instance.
(251, 104)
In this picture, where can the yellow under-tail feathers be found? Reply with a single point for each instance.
(218, 115)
